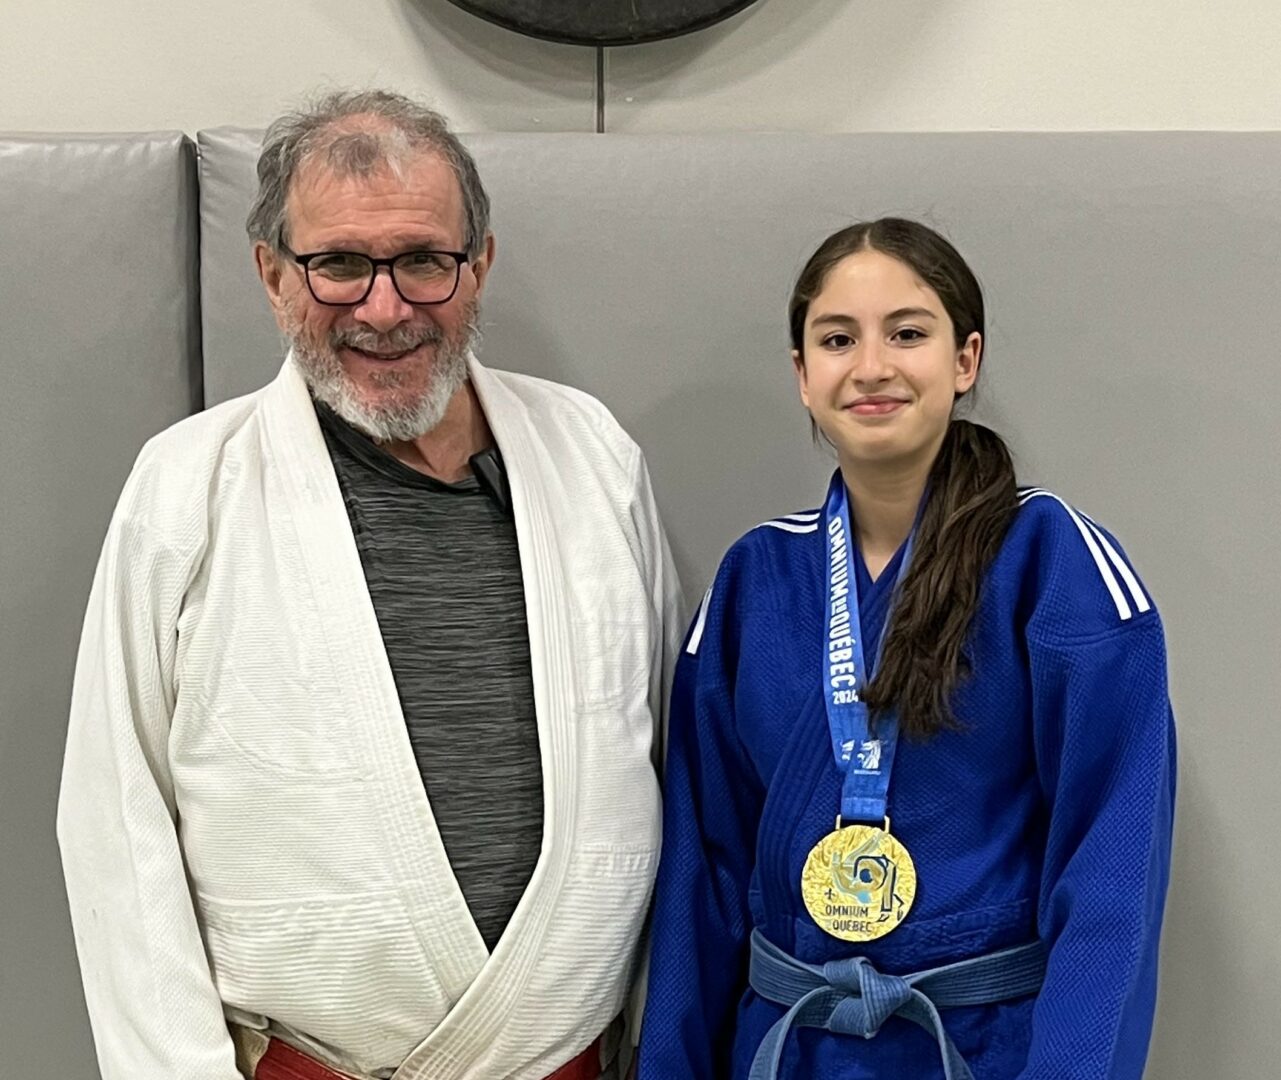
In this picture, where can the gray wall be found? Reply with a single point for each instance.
(99, 351)
(792, 65)
(1131, 279)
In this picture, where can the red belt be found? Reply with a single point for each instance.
(283, 1062)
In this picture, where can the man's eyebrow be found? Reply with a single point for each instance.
(418, 242)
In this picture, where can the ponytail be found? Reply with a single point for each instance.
(971, 502)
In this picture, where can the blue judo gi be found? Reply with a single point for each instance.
(1047, 815)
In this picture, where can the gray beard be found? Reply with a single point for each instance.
(396, 420)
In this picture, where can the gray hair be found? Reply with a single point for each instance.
(407, 129)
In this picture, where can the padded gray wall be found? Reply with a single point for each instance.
(1132, 279)
(100, 350)
(237, 326)
(1132, 282)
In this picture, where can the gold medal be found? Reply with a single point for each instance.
(859, 882)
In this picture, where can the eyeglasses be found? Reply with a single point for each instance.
(343, 278)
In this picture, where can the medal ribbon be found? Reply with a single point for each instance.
(865, 761)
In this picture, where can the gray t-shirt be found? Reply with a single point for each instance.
(443, 570)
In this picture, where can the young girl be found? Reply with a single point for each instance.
(920, 774)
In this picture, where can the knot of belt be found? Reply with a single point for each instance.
(850, 997)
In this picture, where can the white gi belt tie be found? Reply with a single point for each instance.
(850, 997)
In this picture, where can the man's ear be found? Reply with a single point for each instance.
(271, 272)
(483, 263)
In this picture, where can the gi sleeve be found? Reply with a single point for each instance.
(152, 1003)
(712, 803)
(1105, 751)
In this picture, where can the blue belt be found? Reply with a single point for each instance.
(851, 997)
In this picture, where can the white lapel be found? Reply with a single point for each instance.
(349, 626)
(539, 502)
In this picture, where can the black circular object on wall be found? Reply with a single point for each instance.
(603, 22)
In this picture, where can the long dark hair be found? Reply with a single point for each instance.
(972, 495)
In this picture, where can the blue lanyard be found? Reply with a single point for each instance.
(866, 760)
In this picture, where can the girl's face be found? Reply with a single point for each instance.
(880, 367)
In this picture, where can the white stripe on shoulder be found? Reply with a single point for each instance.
(790, 526)
(1140, 598)
(804, 521)
(1100, 560)
(696, 638)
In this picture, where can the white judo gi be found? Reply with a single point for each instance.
(244, 828)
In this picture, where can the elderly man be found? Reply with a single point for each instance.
(359, 778)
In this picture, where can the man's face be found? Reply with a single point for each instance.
(386, 366)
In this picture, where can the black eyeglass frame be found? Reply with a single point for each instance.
(459, 257)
